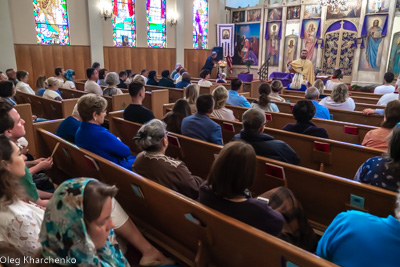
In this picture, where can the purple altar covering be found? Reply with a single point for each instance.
(284, 77)
(245, 77)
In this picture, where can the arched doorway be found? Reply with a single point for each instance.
(340, 45)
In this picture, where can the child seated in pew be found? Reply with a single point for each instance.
(319, 84)
(97, 139)
(153, 164)
(41, 85)
(264, 102)
(174, 118)
(383, 171)
(221, 78)
(276, 87)
(378, 138)
(22, 220)
(303, 112)
(297, 83)
(69, 80)
(356, 238)
(276, 212)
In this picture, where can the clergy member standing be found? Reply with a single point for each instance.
(303, 66)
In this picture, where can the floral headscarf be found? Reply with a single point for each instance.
(68, 75)
(64, 234)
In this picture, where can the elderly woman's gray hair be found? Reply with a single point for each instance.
(149, 137)
(312, 93)
(253, 119)
(112, 78)
(89, 103)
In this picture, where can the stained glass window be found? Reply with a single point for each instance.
(123, 22)
(51, 21)
(200, 24)
(156, 27)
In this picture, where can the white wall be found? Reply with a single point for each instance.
(6, 41)
(23, 21)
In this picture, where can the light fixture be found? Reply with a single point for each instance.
(173, 18)
(106, 10)
(333, 3)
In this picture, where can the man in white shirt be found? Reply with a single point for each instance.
(91, 85)
(383, 101)
(386, 88)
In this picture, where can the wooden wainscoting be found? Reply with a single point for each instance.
(43, 59)
(138, 58)
(195, 60)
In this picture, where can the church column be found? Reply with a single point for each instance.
(180, 26)
(319, 49)
(357, 55)
(95, 32)
(281, 66)
(7, 40)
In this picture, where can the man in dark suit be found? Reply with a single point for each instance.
(200, 125)
(210, 62)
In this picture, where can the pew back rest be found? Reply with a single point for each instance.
(198, 235)
(343, 159)
(335, 129)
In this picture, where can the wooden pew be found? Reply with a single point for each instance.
(71, 93)
(307, 184)
(357, 99)
(335, 129)
(291, 100)
(155, 100)
(337, 114)
(194, 233)
(25, 112)
(47, 108)
(328, 92)
(343, 159)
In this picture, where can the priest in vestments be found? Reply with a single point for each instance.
(303, 66)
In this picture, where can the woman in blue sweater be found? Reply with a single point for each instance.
(97, 139)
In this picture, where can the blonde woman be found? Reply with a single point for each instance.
(191, 95)
(339, 99)
(52, 85)
(220, 95)
(297, 83)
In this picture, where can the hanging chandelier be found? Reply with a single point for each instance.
(333, 3)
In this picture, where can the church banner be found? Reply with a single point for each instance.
(226, 39)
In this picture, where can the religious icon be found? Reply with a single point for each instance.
(293, 12)
(254, 15)
(394, 62)
(226, 34)
(275, 14)
(237, 16)
(377, 6)
(275, 2)
(273, 44)
(247, 38)
(310, 38)
(352, 9)
(312, 11)
(290, 49)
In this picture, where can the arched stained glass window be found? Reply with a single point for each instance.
(123, 22)
(51, 21)
(156, 27)
(200, 24)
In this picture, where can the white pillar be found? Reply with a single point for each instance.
(95, 32)
(180, 26)
(281, 65)
(6, 41)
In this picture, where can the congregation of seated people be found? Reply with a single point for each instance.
(226, 187)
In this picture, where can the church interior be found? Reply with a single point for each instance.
(205, 132)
